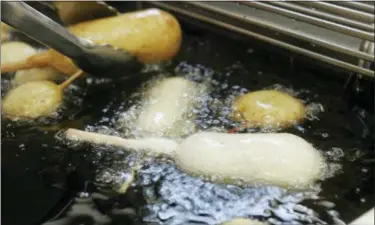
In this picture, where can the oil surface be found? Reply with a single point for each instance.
(160, 193)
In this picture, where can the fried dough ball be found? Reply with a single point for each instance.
(32, 100)
(268, 108)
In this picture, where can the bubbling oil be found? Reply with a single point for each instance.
(181, 199)
(174, 197)
(214, 107)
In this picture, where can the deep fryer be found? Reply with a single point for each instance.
(342, 73)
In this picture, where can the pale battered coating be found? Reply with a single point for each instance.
(243, 221)
(279, 159)
(166, 107)
(152, 145)
(16, 51)
(35, 74)
(32, 100)
(268, 108)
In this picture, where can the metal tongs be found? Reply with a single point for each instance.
(97, 60)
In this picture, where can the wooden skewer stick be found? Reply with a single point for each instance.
(35, 99)
(67, 82)
(49, 58)
(23, 65)
(153, 145)
(275, 158)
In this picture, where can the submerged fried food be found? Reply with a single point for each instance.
(35, 74)
(35, 99)
(268, 108)
(32, 100)
(16, 51)
(279, 159)
(167, 107)
(151, 35)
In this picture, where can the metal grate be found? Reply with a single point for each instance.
(327, 15)
(337, 33)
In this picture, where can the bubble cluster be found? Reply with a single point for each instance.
(176, 198)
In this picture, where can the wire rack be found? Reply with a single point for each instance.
(338, 33)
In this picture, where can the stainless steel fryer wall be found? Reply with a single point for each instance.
(336, 33)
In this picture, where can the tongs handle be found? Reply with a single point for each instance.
(41, 28)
